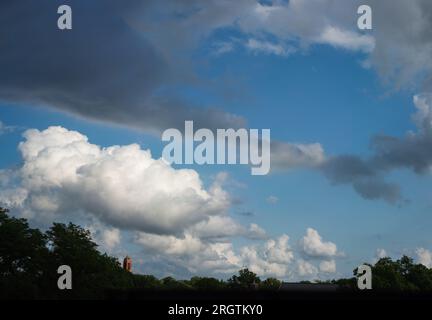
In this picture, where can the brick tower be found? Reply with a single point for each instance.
(127, 264)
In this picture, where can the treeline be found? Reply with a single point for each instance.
(29, 259)
(245, 279)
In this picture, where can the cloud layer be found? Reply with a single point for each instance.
(312, 245)
(87, 72)
(103, 69)
(271, 258)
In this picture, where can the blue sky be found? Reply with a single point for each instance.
(306, 88)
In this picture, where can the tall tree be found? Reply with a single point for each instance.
(92, 271)
(245, 280)
(23, 258)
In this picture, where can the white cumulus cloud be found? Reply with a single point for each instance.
(313, 245)
(424, 256)
(305, 268)
(121, 185)
(327, 266)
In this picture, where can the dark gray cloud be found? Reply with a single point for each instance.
(376, 188)
(346, 168)
(120, 58)
(102, 69)
(364, 177)
(413, 151)
(403, 49)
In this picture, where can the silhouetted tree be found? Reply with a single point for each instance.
(270, 284)
(390, 275)
(399, 275)
(146, 282)
(206, 283)
(93, 272)
(245, 280)
(29, 260)
(23, 258)
(172, 284)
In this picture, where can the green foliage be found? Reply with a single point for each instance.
(350, 283)
(205, 283)
(93, 272)
(389, 275)
(270, 284)
(401, 275)
(172, 284)
(146, 282)
(245, 280)
(29, 260)
(23, 258)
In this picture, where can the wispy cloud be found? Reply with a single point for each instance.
(6, 129)
(259, 46)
